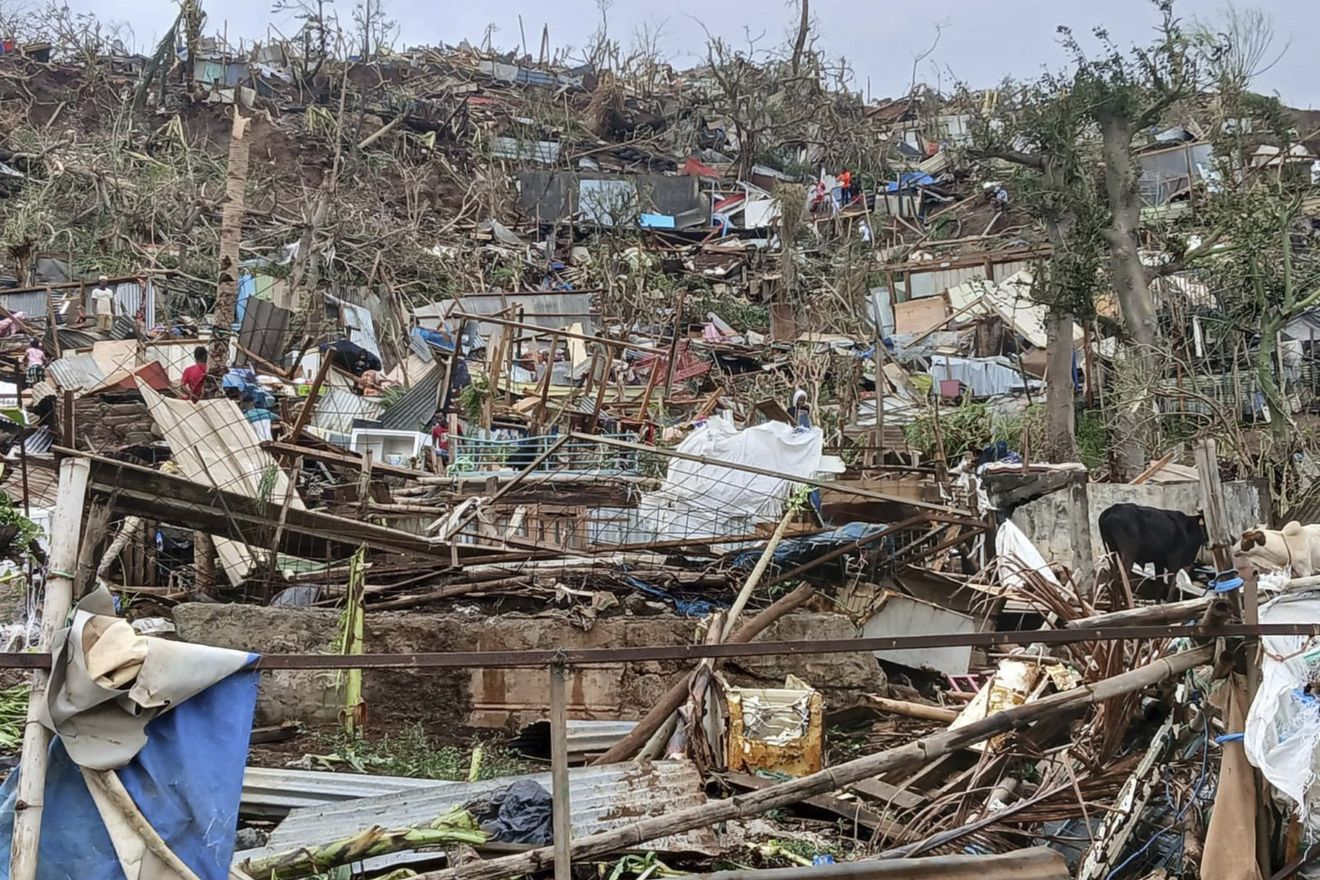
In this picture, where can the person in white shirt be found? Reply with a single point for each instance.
(103, 303)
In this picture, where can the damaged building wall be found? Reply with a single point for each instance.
(557, 195)
(497, 697)
(1242, 501)
(1061, 526)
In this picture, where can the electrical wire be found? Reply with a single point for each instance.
(1196, 794)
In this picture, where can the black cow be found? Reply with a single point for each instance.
(1168, 539)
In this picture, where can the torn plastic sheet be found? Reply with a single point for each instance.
(1282, 735)
(187, 782)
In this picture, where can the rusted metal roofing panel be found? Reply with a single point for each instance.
(75, 371)
(601, 798)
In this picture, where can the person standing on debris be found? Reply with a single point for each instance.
(846, 187)
(103, 302)
(800, 411)
(36, 362)
(194, 378)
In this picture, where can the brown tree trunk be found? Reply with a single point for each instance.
(231, 233)
(1132, 289)
(1060, 398)
(801, 42)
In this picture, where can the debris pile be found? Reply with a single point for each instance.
(694, 432)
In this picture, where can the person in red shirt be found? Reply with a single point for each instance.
(194, 378)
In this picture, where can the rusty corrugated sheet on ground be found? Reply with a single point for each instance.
(601, 798)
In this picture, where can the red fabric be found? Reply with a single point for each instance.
(193, 379)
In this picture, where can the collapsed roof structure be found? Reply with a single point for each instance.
(690, 440)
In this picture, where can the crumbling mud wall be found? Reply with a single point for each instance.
(506, 697)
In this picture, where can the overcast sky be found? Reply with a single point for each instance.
(981, 40)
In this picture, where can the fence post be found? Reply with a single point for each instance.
(66, 525)
(560, 814)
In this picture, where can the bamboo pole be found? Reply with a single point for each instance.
(673, 698)
(1165, 612)
(559, 788)
(1040, 863)
(30, 800)
(912, 710)
(108, 783)
(915, 753)
(127, 532)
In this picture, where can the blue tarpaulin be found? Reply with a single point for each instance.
(187, 781)
(247, 287)
(795, 551)
(685, 605)
(909, 180)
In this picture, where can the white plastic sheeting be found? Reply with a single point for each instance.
(704, 500)
(1016, 552)
(1282, 735)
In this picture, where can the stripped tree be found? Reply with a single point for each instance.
(1040, 131)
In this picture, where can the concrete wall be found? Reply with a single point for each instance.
(1241, 499)
(1060, 525)
(500, 697)
(1065, 525)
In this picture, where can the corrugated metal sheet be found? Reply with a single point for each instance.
(554, 310)
(77, 338)
(545, 152)
(585, 738)
(262, 333)
(32, 303)
(360, 326)
(267, 790)
(336, 409)
(601, 798)
(75, 371)
(415, 408)
(132, 298)
(358, 309)
(39, 442)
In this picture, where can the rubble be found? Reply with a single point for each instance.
(696, 429)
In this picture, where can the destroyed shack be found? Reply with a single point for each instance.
(458, 464)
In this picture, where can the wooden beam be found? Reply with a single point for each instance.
(309, 404)
(559, 787)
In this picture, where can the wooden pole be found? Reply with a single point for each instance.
(915, 753)
(673, 345)
(30, 801)
(673, 698)
(559, 818)
(305, 414)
